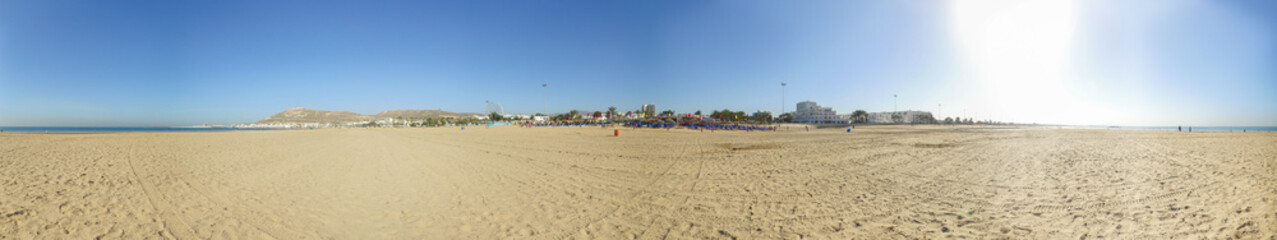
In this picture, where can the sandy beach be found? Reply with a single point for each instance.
(583, 183)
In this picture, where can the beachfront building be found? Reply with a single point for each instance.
(810, 112)
(904, 117)
(648, 110)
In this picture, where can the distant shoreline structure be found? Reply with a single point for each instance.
(204, 126)
(29, 129)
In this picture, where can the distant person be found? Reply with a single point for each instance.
(1190, 128)
(1181, 128)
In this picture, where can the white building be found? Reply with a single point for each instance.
(905, 117)
(516, 117)
(809, 112)
(648, 110)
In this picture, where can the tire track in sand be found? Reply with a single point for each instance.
(270, 229)
(643, 189)
(163, 207)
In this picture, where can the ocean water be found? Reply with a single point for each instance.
(122, 129)
(1195, 128)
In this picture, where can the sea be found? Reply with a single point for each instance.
(123, 129)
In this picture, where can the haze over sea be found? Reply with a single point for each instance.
(124, 129)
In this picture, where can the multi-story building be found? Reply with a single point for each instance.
(809, 112)
(649, 110)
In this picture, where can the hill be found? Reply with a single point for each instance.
(421, 114)
(306, 115)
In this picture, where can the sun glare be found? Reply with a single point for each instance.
(1019, 54)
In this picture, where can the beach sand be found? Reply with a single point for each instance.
(569, 182)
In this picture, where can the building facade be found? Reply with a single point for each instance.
(904, 117)
(810, 112)
(649, 110)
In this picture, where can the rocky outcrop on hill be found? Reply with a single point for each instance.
(421, 114)
(306, 115)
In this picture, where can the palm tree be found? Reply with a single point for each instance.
(762, 117)
(572, 114)
(926, 118)
(667, 113)
(859, 116)
(785, 117)
(611, 111)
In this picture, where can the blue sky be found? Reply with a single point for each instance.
(1177, 62)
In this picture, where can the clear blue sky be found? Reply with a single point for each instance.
(1143, 62)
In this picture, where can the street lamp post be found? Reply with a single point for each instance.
(543, 98)
(782, 98)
